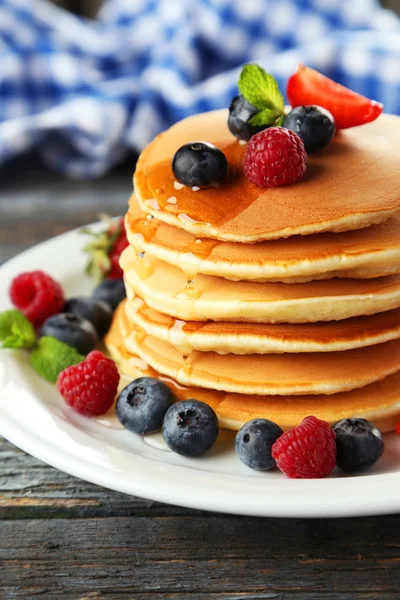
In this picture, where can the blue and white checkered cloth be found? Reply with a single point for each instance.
(84, 92)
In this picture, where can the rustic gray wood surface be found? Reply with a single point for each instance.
(63, 538)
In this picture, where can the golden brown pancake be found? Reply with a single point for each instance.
(263, 338)
(351, 184)
(164, 288)
(370, 252)
(266, 374)
(378, 402)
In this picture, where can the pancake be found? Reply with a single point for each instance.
(165, 288)
(366, 253)
(353, 183)
(263, 338)
(379, 402)
(265, 374)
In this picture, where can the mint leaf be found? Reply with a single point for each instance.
(16, 331)
(266, 116)
(52, 356)
(262, 90)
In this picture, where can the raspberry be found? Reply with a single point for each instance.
(91, 386)
(37, 295)
(120, 245)
(275, 156)
(306, 452)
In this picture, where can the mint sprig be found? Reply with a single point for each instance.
(51, 356)
(15, 330)
(262, 91)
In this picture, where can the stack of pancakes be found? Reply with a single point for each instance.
(274, 303)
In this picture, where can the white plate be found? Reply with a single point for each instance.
(33, 416)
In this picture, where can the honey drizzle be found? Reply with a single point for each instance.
(200, 248)
(142, 266)
(190, 290)
(196, 207)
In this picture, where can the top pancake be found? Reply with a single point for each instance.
(351, 184)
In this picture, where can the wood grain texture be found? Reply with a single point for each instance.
(63, 538)
(198, 557)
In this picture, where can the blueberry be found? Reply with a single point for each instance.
(199, 164)
(142, 404)
(315, 126)
(72, 330)
(253, 443)
(97, 312)
(240, 113)
(359, 444)
(190, 427)
(111, 291)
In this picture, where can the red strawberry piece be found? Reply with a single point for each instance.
(120, 245)
(306, 452)
(37, 295)
(349, 109)
(105, 250)
(275, 156)
(91, 386)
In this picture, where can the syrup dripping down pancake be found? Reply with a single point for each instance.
(165, 288)
(370, 252)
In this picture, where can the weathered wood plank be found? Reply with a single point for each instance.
(30, 489)
(179, 557)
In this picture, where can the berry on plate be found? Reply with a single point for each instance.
(253, 443)
(97, 312)
(111, 291)
(72, 330)
(105, 249)
(142, 404)
(37, 295)
(199, 164)
(239, 120)
(306, 452)
(91, 386)
(190, 427)
(348, 108)
(275, 156)
(313, 124)
(359, 444)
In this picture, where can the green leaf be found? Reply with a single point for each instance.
(267, 116)
(260, 88)
(52, 356)
(16, 331)
(279, 122)
(100, 247)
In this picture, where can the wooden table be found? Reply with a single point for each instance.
(63, 538)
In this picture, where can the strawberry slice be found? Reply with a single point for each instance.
(350, 109)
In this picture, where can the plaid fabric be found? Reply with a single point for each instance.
(83, 92)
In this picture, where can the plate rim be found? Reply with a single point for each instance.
(337, 495)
